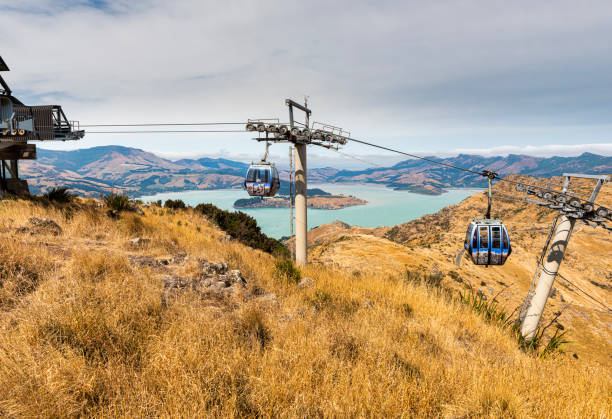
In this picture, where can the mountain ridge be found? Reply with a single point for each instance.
(138, 172)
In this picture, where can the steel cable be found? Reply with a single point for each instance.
(451, 165)
(159, 131)
(161, 124)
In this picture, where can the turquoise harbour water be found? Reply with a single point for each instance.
(385, 206)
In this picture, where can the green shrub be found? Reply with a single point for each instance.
(285, 268)
(60, 195)
(117, 202)
(243, 228)
(556, 343)
(489, 309)
(174, 204)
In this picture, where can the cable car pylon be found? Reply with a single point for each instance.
(535, 301)
(322, 135)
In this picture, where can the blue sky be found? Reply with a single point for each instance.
(487, 77)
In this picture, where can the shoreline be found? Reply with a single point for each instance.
(314, 185)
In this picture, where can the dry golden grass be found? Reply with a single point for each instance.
(91, 334)
(435, 241)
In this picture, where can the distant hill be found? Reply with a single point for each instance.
(129, 170)
(137, 172)
(426, 177)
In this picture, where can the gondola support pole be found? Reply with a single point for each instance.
(291, 200)
(551, 264)
(301, 217)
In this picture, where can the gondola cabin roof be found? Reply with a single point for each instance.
(487, 221)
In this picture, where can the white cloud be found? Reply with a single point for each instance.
(443, 72)
(561, 150)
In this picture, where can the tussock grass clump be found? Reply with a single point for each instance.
(344, 345)
(488, 308)
(286, 269)
(134, 225)
(117, 202)
(99, 266)
(409, 370)
(22, 268)
(60, 195)
(406, 310)
(545, 349)
(491, 311)
(433, 279)
(324, 301)
(251, 327)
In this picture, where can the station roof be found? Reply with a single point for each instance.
(3, 66)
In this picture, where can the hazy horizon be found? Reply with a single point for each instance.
(317, 160)
(423, 77)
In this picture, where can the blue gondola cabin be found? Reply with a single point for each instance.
(262, 180)
(487, 242)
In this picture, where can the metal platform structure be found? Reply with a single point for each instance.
(300, 135)
(20, 124)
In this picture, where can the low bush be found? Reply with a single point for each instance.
(243, 228)
(174, 204)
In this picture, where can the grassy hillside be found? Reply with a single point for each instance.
(95, 323)
(582, 293)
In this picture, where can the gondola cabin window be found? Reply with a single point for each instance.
(257, 175)
(484, 237)
(495, 237)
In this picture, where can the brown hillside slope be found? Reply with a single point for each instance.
(94, 324)
(438, 238)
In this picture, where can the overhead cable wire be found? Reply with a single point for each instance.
(452, 166)
(161, 124)
(584, 292)
(352, 156)
(242, 123)
(158, 131)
